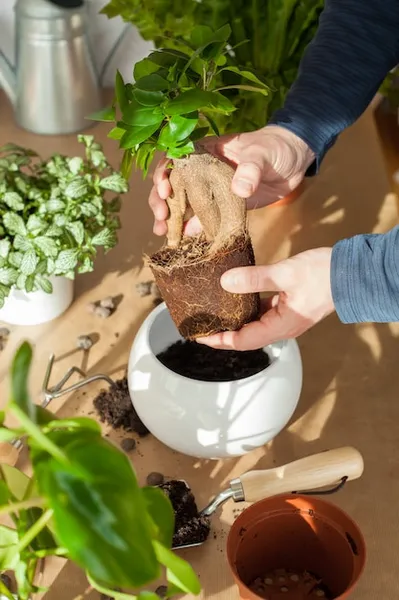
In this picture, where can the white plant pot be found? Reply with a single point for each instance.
(208, 419)
(34, 308)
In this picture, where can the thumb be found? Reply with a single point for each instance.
(246, 280)
(248, 174)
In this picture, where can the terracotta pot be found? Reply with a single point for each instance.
(297, 534)
(198, 304)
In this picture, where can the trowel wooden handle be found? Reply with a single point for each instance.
(306, 474)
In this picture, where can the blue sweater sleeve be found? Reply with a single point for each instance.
(356, 45)
(365, 278)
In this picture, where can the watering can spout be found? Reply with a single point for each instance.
(8, 78)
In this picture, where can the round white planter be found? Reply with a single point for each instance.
(208, 419)
(34, 308)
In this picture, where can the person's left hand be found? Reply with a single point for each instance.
(303, 298)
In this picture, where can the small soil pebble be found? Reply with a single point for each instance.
(128, 444)
(102, 311)
(190, 527)
(203, 363)
(4, 332)
(144, 288)
(161, 591)
(84, 342)
(108, 303)
(91, 307)
(304, 585)
(115, 407)
(155, 479)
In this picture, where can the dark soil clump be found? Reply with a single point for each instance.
(282, 581)
(190, 527)
(203, 363)
(115, 407)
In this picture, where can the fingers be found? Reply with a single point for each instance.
(161, 178)
(247, 280)
(193, 227)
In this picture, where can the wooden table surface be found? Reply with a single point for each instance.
(350, 373)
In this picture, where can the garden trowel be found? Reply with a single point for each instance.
(307, 475)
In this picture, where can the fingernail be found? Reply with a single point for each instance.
(244, 186)
(229, 280)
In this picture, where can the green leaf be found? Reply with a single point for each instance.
(87, 265)
(213, 124)
(105, 237)
(144, 67)
(199, 134)
(22, 243)
(46, 245)
(66, 261)
(20, 368)
(35, 224)
(9, 555)
(127, 164)
(193, 100)
(200, 35)
(106, 115)
(7, 435)
(29, 262)
(55, 205)
(44, 284)
(74, 423)
(152, 83)
(41, 267)
(77, 230)
(179, 572)
(161, 512)
(21, 282)
(116, 133)
(141, 116)
(75, 164)
(115, 183)
(17, 482)
(76, 189)
(14, 223)
(148, 98)
(180, 151)
(137, 135)
(120, 92)
(178, 128)
(30, 282)
(54, 230)
(101, 525)
(8, 275)
(13, 200)
(5, 246)
(248, 88)
(246, 74)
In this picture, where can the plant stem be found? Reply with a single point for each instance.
(35, 529)
(6, 509)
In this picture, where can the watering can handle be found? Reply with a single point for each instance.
(309, 473)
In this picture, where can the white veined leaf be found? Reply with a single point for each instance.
(115, 183)
(5, 246)
(35, 224)
(105, 237)
(14, 223)
(88, 209)
(75, 164)
(76, 189)
(22, 243)
(77, 230)
(29, 262)
(44, 284)
(47, 245)
(66, 261)
(97, 158)
(8, 275)
(30, 283)
(87, 265)
(21, 281)
(60, 220)
(13, 200)
(55, 205)
(41, 268)
(50, 265)
(54, 230)
(15, 259)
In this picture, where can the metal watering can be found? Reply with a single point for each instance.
(54, 86)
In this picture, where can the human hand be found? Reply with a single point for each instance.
(303, 299)
(269, 164)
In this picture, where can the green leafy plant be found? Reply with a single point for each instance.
(172, 105)
(54, 214)
(83, 502)
(390, 88)
(269, 36)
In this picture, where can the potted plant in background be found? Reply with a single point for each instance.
(55, 215)
(83, 503)
(269, 37)
(171, 107)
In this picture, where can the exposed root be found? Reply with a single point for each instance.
(202, 183)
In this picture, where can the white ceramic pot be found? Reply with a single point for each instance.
(208, 419)
(34, 308)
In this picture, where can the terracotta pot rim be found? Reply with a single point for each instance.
(241, 519)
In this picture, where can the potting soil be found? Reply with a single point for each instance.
(290, 585)
(115, 407)
(203, 363)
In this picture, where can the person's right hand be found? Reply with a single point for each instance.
(269, 163)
